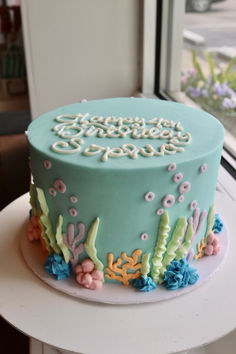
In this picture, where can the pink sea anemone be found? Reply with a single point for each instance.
(88, 276)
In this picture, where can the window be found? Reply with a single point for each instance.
(192, 64)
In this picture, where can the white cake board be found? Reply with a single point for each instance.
(116, 294)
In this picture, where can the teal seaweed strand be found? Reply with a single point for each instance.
(59, 238)
(173, 245)
(210, 221)
(47, 234)
(89, 245)
(145, 268)
(186, 244)
(160, 247)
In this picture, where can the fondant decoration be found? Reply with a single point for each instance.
(190, 255)
(173, 245)
(168, 201)
(160, 211)
(181, 198)
(172, 167)
(89, 244)
(83, 100)
(200, 248)
(145, 268)
(73, 212)
(60, 241)
(212, 246)
(184, 187)
(179, 275)
(34, 229)
(47, 164)
(183, 249)
(73, 242)
(210, 221)
(160, 247)
(73, 199)
(52, 191)
(144, 236)
(144, 283)
(119, 271)
(60, 186)
(197, 221)
(178, 177)
(87, 276)
(47, 232)
(73, 126)
(193, 205)
(203, 168)
(218, 224)
(56, 266)
(149, 196)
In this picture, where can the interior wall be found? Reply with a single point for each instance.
(79, 49)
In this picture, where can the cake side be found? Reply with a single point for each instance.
(125, 202)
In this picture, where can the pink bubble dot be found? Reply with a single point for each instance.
(60, 186)
(172, 167)
(181, 198)
(168, 201)
(144, 236)
(184, 187)
(203, 168)
(47, 164)
(149, 196)
(193, 205)
(160, 211)
(178, 177)
(52, 191)
(73, 199)
(73, 212)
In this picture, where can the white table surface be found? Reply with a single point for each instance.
(188, 321)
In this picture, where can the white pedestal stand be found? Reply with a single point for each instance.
(189, 321)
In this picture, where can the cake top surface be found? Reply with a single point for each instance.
(125, 133)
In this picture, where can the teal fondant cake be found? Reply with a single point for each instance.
(123, 191)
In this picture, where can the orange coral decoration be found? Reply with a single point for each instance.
(121, 269)
(200, 247)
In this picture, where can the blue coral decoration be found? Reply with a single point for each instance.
(218, 225)
(144, 283)
(56, 266)
(179, 275)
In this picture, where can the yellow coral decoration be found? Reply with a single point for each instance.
(200, 247)
(121, 269)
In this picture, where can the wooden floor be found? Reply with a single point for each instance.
(11, 340)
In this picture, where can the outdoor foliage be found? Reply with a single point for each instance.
(215, 92)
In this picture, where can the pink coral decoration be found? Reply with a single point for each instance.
(212, 246)
(88, 276)
(34, 231)
(52, 191)
(73, 212)
(144, 236)
(149, 196)
(184, 187)
(73, 199)
(160, 211)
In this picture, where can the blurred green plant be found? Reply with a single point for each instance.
(215, 91)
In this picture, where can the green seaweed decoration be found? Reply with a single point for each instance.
(60, 241)
(47, 232)
(32, 200)
(183, 249)
(89, 244)
(210, 221)
(145, 268)
(160, 247)
(172, 246)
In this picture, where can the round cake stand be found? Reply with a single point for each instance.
(188, 321)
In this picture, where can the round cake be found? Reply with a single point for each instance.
(123, 190)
